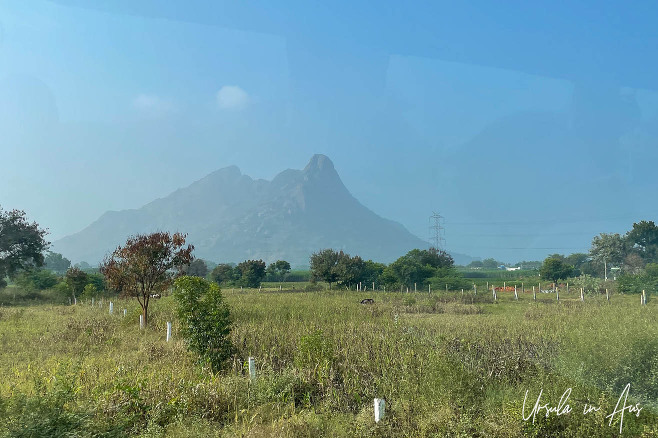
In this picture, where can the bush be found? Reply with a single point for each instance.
(39, 279)
(205, 320)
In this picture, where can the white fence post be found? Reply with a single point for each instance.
(111, 307)
(534, 293)
(125, 311)
(582, 294)
(141, 322)
(607, 295)
(168, 331)
(516, 296)
(252, 368)
(380, 406)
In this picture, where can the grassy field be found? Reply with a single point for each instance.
(446, 364)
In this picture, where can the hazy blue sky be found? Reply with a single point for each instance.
(530, 126)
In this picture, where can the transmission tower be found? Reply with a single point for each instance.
(437, 241)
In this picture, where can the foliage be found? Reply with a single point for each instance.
(278, 270)
(349, 270)
(224, 274)
(76, 280)
(21, 244)
(90, 291)
(323, 265)
(205, 320)
(197, 268)
(447, 365)
(372, 272)
(554, 269)
(39, 279)
(609, 248)
(449, 276)
(417, 266)
(252, 272)
(490, 263)
(643, 238)
(146, 264)
(586, 282)
(647, 280)
(57, 262)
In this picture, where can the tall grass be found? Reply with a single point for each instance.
(447, 365)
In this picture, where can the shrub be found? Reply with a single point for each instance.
(205, 320)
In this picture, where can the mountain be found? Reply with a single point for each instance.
(230, 217)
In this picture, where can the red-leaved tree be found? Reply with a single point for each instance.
(146, 264)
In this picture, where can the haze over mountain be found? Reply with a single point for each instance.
(230, 217)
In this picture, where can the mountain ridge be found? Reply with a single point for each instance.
(230, 217)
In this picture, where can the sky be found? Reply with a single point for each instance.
(530, 127)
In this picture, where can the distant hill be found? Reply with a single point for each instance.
(230, 217)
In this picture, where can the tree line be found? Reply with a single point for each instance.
(418, 268)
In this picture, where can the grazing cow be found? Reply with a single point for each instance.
(156, 296)
(368, 301)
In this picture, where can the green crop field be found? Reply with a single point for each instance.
(446, 364)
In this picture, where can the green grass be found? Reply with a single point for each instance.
(447, 365)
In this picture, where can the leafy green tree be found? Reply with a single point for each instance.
(490, 263)
(76, 279)
(90, 291)
(197, 268)
(224, 274)
(644, 239)
(205, 320)
(97, 280)
(349, 270)
(278, 270)
(146, 264)
(475, 264)
(40, 279)
(323, 265)
(609, 248)
(555, 269)
(372, 272)
(21, 244)
(252, 272)
(417, 266)
(57, 262)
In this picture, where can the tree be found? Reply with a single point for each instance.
(252, 272)
(608, 248)
(278, 270)
(36, 279)
(490, 263)
(349, 270)
(21, 244)
(323, 265)
(205, 320)
(419, 265)
(57, 262)
(76, 280)
(372, 272)
(555, 269)
(197, 268)
(644, 238)
(147, 263)
(224, 274)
